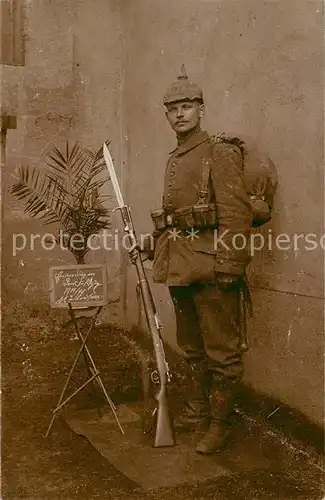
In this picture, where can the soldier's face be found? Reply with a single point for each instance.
(184, 116)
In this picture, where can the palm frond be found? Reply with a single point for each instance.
(69, 169)
(67, 191)
(33, 187)
(96, 166)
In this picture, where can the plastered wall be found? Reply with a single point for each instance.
(261, 67)
(98, 70)
(69, 89)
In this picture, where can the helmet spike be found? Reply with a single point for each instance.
(182, 89)
(183, 75)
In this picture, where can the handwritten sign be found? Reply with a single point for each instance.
(82, 286)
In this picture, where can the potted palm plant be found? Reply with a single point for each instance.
(67, 191)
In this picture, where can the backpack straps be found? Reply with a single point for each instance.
(202, 197)
(206, 166)
(203, 193)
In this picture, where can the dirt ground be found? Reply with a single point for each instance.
(36, 355)
(38, 347)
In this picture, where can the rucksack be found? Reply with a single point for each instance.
(260, 175)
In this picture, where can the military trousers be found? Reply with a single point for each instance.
(207, 327)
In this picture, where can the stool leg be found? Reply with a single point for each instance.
(84, 340)
(92, 370)
(89, 370)
(100, 382)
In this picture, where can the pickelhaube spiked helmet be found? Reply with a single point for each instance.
(182, 89)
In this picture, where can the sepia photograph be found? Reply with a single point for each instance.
(162, 249)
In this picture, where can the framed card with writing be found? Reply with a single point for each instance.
(82, 286)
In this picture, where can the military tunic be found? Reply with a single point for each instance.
(184, 257)
(187, 260)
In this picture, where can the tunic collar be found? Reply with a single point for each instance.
(192, 142)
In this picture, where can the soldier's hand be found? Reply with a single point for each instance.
(148, 247)
(145, 252)
(226, 281)
(134, 253)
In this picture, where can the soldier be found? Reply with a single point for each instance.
(201, 251)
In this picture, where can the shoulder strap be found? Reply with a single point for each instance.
(206, 170)
(203, 193)
(206, 164)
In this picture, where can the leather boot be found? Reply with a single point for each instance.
(196, 408)
(222, 402)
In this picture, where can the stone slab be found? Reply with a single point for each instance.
(133, 455)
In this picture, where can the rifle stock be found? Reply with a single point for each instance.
(164, 432)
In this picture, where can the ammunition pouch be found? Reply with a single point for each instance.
(159, 219)
(205, 215)
(183, 217)
(196, 216)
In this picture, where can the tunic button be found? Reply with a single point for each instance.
(169, 220)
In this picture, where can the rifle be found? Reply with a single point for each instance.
(164, 432)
